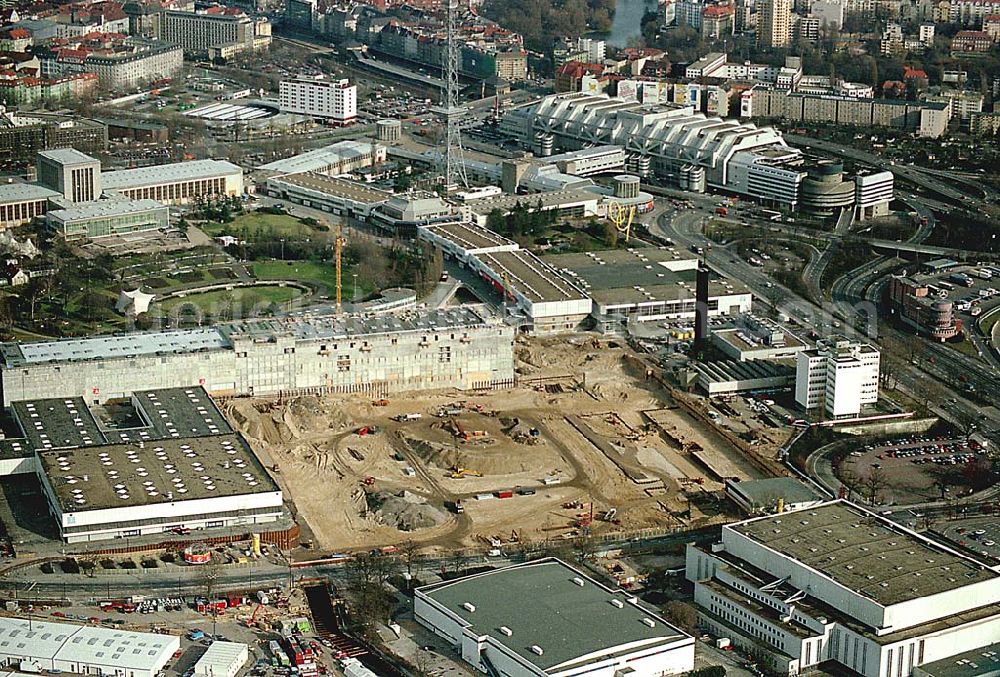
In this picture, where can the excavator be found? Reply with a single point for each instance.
(458, 472)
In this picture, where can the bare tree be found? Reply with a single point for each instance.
(875, 482)
(683, 615)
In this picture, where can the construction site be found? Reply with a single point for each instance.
(587, 442)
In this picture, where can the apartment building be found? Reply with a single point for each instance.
(118, 63)
(214, 28)
(774, 26)
(336, 100)
(840, 374)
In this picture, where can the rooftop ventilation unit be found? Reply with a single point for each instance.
(649, 622)
(537, 650)
(469, 606)
(504, 630)
(618, 603)
(578, 581)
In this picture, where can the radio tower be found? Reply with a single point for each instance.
(449, 111)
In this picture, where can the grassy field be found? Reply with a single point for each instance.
(223, 301)
(301, 271)
(987, 322)
(966, 347)
(256, 223)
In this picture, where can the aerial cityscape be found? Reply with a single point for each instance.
(518, 338)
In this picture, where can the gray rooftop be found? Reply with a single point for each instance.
(331, 186)
(170, 413)
(105, 208)
(724, 371)
(221, 336)
(544, 605)
(165, 471)
(984, 662)
(67, 156)
(766, 491)
(22, 192)
(320, 159)
(469, 235)
(551, 199)
(530, 276)
(636, 276)
(176, 171)
(864, 552)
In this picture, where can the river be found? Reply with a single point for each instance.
(627, 22)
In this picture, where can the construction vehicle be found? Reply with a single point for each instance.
(407, 417)
(368, 481)
(367, 430)
(610, 515)
(380, 403)
(455, 506)
(466, 435)
(275, 468)
(458, 473)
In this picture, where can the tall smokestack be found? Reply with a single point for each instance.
(701, 305)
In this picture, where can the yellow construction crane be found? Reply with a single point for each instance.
(338, 250)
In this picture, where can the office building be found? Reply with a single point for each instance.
(688, 13)
(105, 218)
(83, 649)
(829, 12)
(75, 175)
(342, 157)
(914, 304)
(461, 348)
(300, 13)
(335, 100)
(873, 191)
(839, 375)
(206, 32)
(838, 583)
(736, 157)
(774, 25)
(22, 135)
(546, 618)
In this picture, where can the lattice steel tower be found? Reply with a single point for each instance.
(449, 110)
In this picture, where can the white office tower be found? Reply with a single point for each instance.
(321, 98)
(840, 374)
(838, 583)
(872, 195)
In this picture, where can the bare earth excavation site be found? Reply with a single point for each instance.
(582, 439)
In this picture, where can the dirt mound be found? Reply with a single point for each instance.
(488, 459)
(404, 511)
(276, 423)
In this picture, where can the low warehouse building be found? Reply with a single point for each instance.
(547, 618)
(645, 284)
(83, 649)
(223, 659)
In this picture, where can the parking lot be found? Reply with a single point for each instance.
(917, 468)
(978, 535)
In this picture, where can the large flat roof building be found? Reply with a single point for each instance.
(84, 649)
(835, 582)
(645, 284)
(738, 157)
(178, 182)
(548, 618)
(178, 463)
(454, 348)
